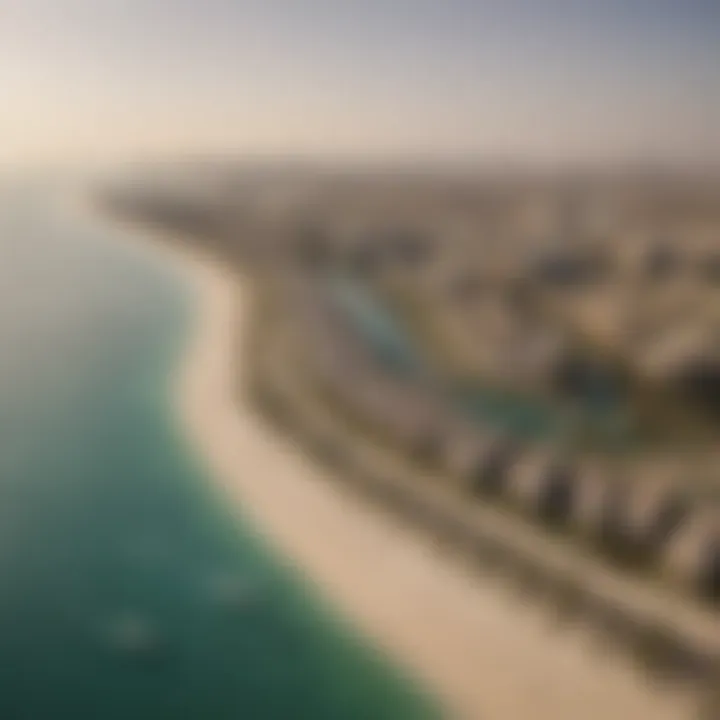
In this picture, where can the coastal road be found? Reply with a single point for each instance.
(487, 653)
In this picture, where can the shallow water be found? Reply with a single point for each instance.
(113, 543)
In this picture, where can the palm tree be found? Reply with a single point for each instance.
(692, 558)
(490, 475)
(557, 494)
(709, 575)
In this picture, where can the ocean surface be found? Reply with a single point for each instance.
(128, 589)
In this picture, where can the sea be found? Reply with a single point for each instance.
(128, 587)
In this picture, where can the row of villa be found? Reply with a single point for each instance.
(469, 475)
(637, 514)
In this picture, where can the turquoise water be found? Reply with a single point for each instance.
(523, 416)
(105, 513)
(392, 345)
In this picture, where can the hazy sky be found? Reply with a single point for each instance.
(536, 79)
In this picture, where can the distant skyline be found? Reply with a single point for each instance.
(529, 80)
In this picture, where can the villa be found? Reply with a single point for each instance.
(693, 557)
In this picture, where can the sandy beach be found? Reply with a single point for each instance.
(484, 652)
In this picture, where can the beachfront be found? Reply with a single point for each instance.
(485, 652)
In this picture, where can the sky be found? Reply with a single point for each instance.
(532, 80)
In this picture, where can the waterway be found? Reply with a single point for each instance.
(597, 415)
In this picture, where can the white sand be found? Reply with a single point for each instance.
(484, 653)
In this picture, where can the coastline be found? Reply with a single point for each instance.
(482, 652)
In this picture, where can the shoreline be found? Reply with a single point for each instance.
(481, 652)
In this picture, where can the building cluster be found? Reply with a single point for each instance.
(511, 308)
(640, 514)
(535, 286)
